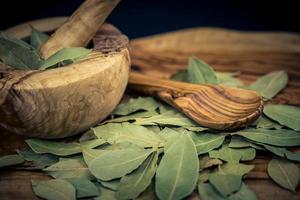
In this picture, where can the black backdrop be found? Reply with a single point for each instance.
(138, 18)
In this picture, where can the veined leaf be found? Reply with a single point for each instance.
(117, 163)
(206, 142)
(269, 85)
(266, 123)
(117, 133)
(69, 168)
(243, 194)
(133, 105)
(283, 152)
(54, 189)
(238, 169)
(84, 187)
(239, 142)
(205, 162)
(227, 79)
(65, 54)
(132, 117)
(132, 185)
(281, 137)
(207, 192)
(284, 114)
(56, 148)
(226, 184)
(284, 173)
(200, 72)
(91, 154)
(177, 173)
(9, 160)
(112, 185)
(90, 144)
(37, 38)
(105, 194)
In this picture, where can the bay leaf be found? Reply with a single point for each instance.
(200, 72)
(207, 192)
(37, 38)
(243, 194)
(39, 161)
(228, 79)
(105, 194)
(281, 137)
(283, 152)
(91, 154)
(56, 148)
(286, 115)
(136, 104)
(87, 136)
(204, 175)
(270, 84)
(239, 142)
(72, 54)
(206, 142)
(9, 160)
(17, 53)
(233, 155)
(54, 189)
(69, 168)
(170, 136)
(84, 187)
(177, 173)
(264, 122)
(205, 162)
(132, 185)
(225, 184)
(90, 144)
(180, 75)
(132, 117)
(238, 169)
(284, 173)
(125, 132)
(112, 185)
(117, 163)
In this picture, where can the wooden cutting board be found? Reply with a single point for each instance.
(251, 53)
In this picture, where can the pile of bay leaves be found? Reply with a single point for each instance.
(148, 150)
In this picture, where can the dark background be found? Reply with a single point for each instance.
(138, 18)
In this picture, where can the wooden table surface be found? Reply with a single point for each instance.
(251, 53)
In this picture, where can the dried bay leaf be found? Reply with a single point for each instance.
(132, 117)
(269, 85)
(65, 54)
(84, 187)
(281, 137)
(37, 38)
(225, 184)
(205, 162)
(284, 114)
(69, 168)
(227, 79)
(112, 185)
(200, 72)
(132, 185)
(237, 169)
(56, 148)
(125, 132)
(284, 173)
(239, 142)
(177, 173)
(91, 154)
(17, 53)
(117, 163)
(207, 192)
(90, 144)
(243, 194)
(206, 142)
(283, 152)
(9, 160)
(138, 104)
(266, 123)
(180, 75)
(105, 194)
(54, 189)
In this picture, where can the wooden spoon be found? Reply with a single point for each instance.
(213, 106)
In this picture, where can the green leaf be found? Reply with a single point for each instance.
(39, 161)
(266, 123)
(65, 54)
(124, 132)
(283, 152)
(117, 163)
(132, 117)
(69, 168)
(17, 53)
(56, 148)
(200, 72)
(226, 184)
(237, 169)
(105, 194)
(112, 185)
(54, 189)
(284, 173)
(84, 187)
(170, 136)
(180, 75)
(228, 79)
(205, 162)
(281, 137)
(269, 85)
(91, 154)
(9, 160)
(90, 144)
(239, 142)
(207, 192)
(177, 173)
(206, 142)
(37, 38)
(132, 185)
(232, 155)
(138, 104)
(286, 115)
(243, 194)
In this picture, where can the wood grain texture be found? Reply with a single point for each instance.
(61, 102)
(213, 106)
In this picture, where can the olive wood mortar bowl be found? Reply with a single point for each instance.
(62, 102)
